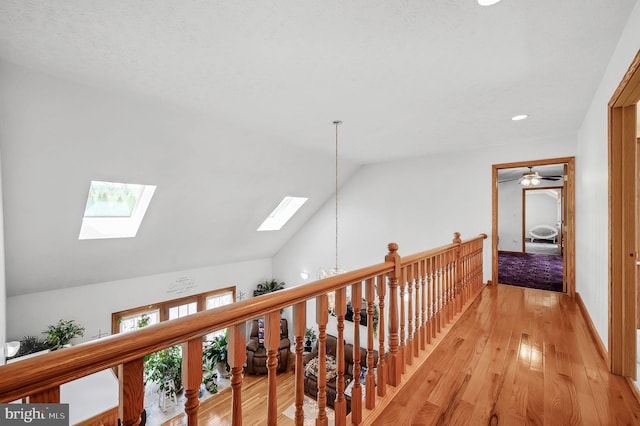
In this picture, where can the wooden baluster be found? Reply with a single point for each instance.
(432, 296)
(237, 356)
(459, 295)
(450, 282)
(47, 396)
(271, 343)
(192, 377)
(356, 390)
(402, 356)
(394, 375)
(408, 279)
(382, 369)
(322, 317)
(370, 402)
(424, 327)
(417, 328)
(299, 328)
(340, 404)
(131, 391)
(437, 292)
(463, 273)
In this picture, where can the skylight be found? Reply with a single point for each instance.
(114, 210)
(282, 213)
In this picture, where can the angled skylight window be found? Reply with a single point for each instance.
(114, 210)
(282, 213)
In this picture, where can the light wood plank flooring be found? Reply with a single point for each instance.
(517, 356)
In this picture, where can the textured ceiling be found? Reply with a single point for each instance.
(268, 78)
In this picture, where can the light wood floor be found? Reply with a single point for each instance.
(517, 356)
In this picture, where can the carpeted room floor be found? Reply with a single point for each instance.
(541, 271)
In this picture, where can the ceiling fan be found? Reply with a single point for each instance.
(532, 178)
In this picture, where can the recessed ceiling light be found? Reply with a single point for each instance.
(519, 117)
(487, 2)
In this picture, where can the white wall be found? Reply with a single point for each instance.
(92, 305)
(541, 208)
(3, 289)
(510, 216)
(592, 196)
(418, 203)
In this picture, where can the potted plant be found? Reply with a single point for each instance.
(268, 287)
(215, 355)
(209, 380)
(309, 337)
(30, 345)
(144, 321)
(60, 335)
(164, 366)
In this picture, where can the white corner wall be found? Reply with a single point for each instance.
(418, 203)
(92, 305)
(592, 196)
(3, 286)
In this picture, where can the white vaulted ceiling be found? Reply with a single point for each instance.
(232, 102)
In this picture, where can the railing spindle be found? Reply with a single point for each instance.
(192, 377)
(370, 401)
(424, 324)
(382, 368)
(47, 396)
(271, 342)
(237, 356)
(340, 404)
(131, 391)
(322, 316)
(299, 328)
(356, 390)
(409, 294)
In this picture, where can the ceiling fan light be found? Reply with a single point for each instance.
(525, 182)
(535, 181)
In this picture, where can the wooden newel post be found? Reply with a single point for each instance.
(131, 390)
(237, 356)
(393, 363)
(458, 273)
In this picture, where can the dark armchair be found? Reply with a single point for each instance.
(257, 355)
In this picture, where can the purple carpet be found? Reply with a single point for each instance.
(541, 271)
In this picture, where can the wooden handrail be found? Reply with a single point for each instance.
(444, 279)
(22, 378)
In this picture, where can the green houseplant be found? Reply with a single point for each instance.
(309, 337)
(164, 365)
(60, 334)
(268, 287)
(215, 355)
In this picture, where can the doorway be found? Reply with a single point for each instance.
(546, 186)
(623, 223)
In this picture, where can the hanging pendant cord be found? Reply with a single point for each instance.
(337, 123)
